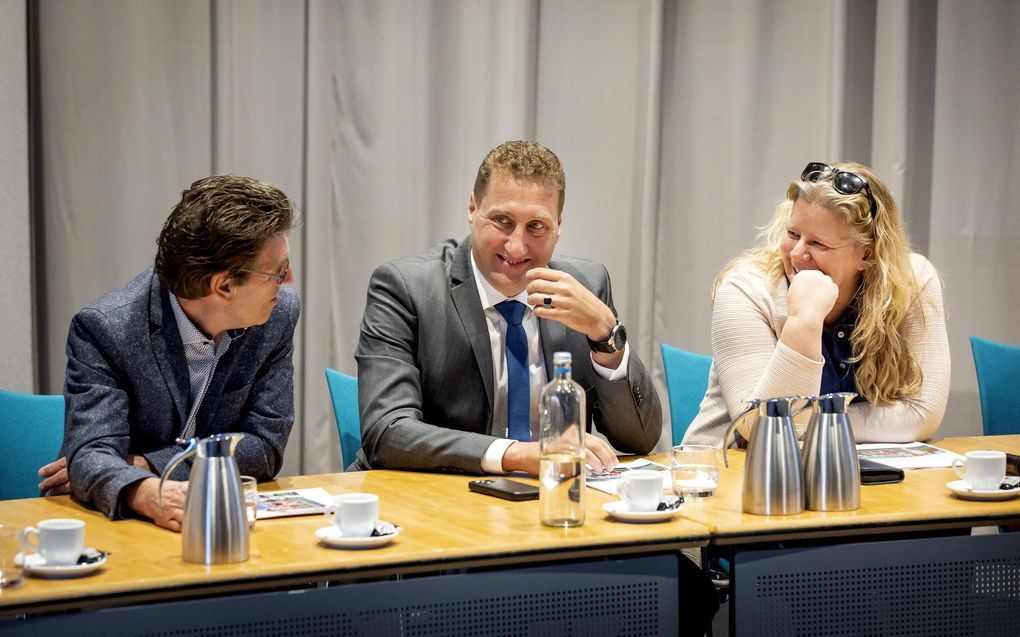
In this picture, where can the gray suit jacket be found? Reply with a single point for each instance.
(425, 367)
(127, 390)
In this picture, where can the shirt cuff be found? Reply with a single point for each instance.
(620, 373)
(492, 460)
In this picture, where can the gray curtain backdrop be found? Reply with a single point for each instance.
(17, 327)
(679, 124)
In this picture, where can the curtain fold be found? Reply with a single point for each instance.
(679, 125)
(16, 315)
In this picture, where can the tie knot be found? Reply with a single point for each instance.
(511, 311)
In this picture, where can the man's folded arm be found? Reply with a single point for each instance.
(269, 414)
(97, 433)
(627, 411)
(393, 434)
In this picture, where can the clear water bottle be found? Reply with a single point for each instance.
(561, 448)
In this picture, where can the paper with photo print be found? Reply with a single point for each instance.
(608, 482)
(911, 455)
(287, 502)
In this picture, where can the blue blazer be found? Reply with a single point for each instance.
(127, 390)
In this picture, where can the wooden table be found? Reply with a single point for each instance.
(905, 558)
(446, 528)
(921, 502)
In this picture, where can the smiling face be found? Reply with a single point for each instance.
(514, 228)
(818, 238)
(254, 300)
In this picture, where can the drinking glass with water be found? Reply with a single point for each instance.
(695, 471)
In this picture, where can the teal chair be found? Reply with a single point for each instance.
(343, 389)
(31, 432)
(686, 381)
(998, 370)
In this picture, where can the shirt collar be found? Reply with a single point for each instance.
(190, 334)
(489, 295)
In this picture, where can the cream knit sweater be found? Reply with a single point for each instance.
(750, 362)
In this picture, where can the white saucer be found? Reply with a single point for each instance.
(331, 536)
(618, 509)
(34, 564)
(963, 490)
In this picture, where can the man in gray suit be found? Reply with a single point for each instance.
(436, 388)
(200, 344)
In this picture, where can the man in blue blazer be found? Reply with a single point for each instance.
(435, 383)
(199, 344)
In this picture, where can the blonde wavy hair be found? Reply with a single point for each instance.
(886, 365)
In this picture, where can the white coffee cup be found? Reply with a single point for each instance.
(58, 540)
(984, 469)
(641, 490)
(354, 514)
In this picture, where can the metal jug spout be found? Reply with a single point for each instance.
(836, 403)
(786, 406)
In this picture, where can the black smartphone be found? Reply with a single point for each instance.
(873, 472)
(504, 488)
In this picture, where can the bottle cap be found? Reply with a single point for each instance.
(561, 359)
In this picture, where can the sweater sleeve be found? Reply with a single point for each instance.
(749, 360)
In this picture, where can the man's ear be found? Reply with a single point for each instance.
(222, 285)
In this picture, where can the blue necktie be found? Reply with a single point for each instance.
(518, 385)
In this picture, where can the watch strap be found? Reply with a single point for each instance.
(614, 343)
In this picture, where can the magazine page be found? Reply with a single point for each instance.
(911, 455)
(278, 504)
(608, 482)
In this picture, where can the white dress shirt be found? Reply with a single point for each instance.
(492, 460)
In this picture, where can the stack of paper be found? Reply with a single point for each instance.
(911, 455)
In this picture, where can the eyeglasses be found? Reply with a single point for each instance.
(843, 181)
(280, 276)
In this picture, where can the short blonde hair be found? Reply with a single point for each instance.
(886, 365)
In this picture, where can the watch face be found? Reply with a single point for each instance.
(619, 338)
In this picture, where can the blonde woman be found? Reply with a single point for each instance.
(833, 300)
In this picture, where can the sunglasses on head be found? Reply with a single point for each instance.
(846, 183)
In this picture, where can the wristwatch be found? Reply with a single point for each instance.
(617, 339)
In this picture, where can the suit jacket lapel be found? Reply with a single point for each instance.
(168, 350)
(464, 292)
(554, 337)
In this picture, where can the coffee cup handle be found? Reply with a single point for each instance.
(332, 511)
(26, 543)
(957, 463)
(622, 490)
